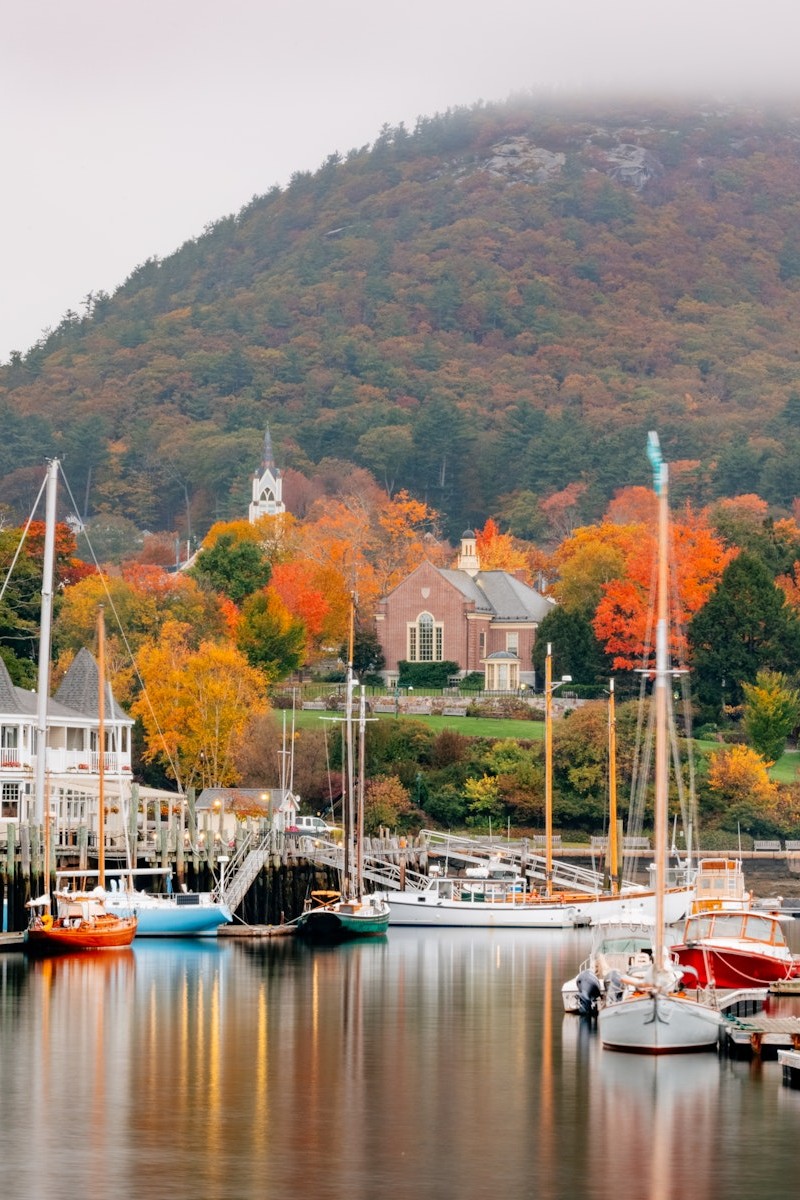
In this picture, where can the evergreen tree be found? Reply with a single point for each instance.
(745, 626)
(237, 569)
(575, 647)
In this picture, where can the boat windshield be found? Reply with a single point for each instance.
(765, 929)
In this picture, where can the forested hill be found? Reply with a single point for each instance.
(485, 311)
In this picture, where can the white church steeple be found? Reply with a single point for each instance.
(267, 486)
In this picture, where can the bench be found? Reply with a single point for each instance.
(767, 846)
(539, 839)
(383, 706)
(313, 704)
(454, 712)
(628, 843)
(793, 845)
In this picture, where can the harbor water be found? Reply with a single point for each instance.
(433, 1064)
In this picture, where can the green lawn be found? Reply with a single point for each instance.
(784, 771)
(470, 726)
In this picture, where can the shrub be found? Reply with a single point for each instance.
(425, 674)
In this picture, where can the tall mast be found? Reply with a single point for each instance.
(548, 769)
(662, 682)
(362, 739)
(613, 845)
(45, 623)
(349, 841)
(101, 755)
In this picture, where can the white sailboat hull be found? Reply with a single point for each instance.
(660, 1023)
(432, 906)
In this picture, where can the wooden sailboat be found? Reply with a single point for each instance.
(351, 913)
(82, 921)
(654, 1013)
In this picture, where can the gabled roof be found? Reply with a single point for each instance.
(469, 588)
(80, 686)
(8, 699)
(20, 702)
(511, 599)
(500, 594)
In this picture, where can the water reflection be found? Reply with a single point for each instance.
(437, 1064)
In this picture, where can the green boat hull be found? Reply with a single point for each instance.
(344, 921)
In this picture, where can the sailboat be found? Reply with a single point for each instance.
(653, 1012)
(351, 913)
(506, 900)
(82, 921)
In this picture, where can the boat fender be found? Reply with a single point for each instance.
(47, 921)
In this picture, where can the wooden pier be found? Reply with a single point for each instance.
(748, 1031)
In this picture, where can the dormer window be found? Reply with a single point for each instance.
(425, 639)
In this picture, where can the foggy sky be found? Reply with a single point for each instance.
(129, 125)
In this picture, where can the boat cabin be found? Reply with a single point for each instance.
(719, 884)
(745, 925)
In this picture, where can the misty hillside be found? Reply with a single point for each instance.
(485, 311)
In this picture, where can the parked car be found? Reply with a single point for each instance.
(314, 826)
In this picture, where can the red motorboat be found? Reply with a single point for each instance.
(731, 948)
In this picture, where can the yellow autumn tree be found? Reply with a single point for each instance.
(194, 706)
(739, 781)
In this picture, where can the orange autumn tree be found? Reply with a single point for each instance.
(301, 588)
(404, 539)
(499, 551)
(622, 620)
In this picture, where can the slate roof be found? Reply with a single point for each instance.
(17, 701)
(79, 689)
(501, 594)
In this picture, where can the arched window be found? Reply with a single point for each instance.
(425, 639)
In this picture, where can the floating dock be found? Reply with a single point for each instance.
(256, 931)
(790, 1063)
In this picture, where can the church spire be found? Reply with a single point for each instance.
(267, 498)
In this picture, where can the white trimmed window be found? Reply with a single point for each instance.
(425, 639)
(9, 801)
(512, 642)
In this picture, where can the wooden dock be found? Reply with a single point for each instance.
(11, 941)
(761, 1036)
(256, 931)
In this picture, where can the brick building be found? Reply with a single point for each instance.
(484, 620)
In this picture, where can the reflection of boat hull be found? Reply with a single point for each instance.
(101, 932)
(171, 916)
(434, 906)
(732, 967)
(658, 1023)
(345, 920)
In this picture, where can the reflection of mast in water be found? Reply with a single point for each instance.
(663, 1105)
